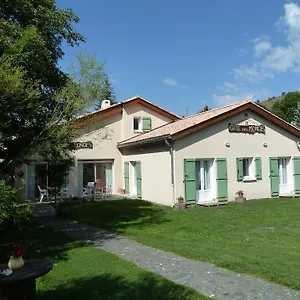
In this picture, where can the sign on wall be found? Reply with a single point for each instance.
(83, 145)
(247, 128)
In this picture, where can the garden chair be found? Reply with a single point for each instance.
(43, 193)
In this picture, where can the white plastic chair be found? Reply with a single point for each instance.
(85, 193)
(64, 193)
(43, 193)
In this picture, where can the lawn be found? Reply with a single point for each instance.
(261, 238)
(84, 272)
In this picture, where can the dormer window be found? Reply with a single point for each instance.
(142, 124)
(137, 124)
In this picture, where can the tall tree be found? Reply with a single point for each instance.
(38, 101)
(296, 120)
(286, 108)
(205, 108)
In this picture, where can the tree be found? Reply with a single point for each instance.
(296, 120)
(205, 108)
(89, 73)
(286, 108)
(38, 101)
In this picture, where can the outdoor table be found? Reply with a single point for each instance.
(20, 285)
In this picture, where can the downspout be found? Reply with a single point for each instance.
(167, 142)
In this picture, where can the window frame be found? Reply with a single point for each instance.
(251, 169)
(139, 119)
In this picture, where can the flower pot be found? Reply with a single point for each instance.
(16, 262)
(177, 206)
(183, 206)
(240, 199)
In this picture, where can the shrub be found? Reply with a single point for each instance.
(12, 212)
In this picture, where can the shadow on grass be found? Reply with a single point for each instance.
(118, 214)
(39, 242)
(116, 287)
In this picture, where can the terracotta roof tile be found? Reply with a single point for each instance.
(180, 125)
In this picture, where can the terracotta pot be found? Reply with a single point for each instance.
(183, 206)
(16, 262)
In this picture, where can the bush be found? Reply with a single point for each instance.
(12, 212)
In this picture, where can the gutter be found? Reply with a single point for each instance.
(143, 142)
(170, 145)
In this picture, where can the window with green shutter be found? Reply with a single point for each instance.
(274, 176)
(222, 188)
(296, 160)
(190, 180)
(147, 124)
(239, 169)
(258, 168)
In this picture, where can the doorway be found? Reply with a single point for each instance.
(203, 180)
(283, 175)
(134, 179)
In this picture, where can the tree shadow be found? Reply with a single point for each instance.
(116, 287)
(118, 214)
(39, 242)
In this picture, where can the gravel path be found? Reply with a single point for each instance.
(203, 277)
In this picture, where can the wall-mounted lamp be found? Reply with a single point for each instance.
(265, 145)
(227, 144)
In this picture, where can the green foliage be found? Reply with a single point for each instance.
(286, 108)
(296, 120)
(12, 212)
(205, 108)
(38, 101)
(92, 79)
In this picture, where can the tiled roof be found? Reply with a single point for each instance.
(180, 125)
(136, 98)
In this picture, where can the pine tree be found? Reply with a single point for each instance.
(107, 92)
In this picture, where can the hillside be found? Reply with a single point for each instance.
(268, 104)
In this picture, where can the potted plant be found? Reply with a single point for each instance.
(240, 197)
(16, 260)
(180, 203)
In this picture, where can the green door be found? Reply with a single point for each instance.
(190, 180)
(274, 176)
(138, 178)
(222, 179)
(126, 176)
(296, 160)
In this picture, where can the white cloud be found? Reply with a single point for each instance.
(170, 82)
(238, 93)
(270, 59)
(262, 47)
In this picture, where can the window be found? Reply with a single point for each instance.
(137, 124)
(248, 168)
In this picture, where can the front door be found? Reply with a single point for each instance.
(203, 180)
(283, 175)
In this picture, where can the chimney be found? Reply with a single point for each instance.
(105, 104)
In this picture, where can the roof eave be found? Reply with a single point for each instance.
(146, 141)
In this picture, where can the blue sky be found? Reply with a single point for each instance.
(187, 54)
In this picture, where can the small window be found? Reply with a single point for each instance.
(137, 124)
(246, 167)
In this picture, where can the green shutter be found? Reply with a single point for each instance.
(147, 124)
(126, 176)
(138, 178)
(258, 169)
(190, 180)
(274, 177)
(296, 160)
(239, 169)
(222, 179)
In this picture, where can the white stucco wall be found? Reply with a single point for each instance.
(210, 143)
(156, 173)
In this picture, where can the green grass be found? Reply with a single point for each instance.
(268, 104)
(261, 238)
(84, 272)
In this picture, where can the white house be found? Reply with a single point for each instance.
(158, 156)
